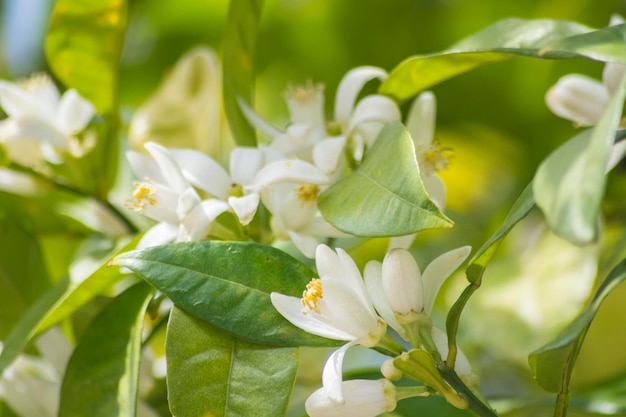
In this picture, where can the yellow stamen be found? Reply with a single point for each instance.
(434, 158)
(308, 192)
(304, 93)
(143, 195)
(312, 295)
(35, 82)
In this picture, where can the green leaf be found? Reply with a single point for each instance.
(499, 42)
(522, 206)
(608, 44)
(383, 198)
(228, 284)
(23, 274)
(102, 374)
(569, 184)
(212, 373)
(553, 363)
(84, 46)
(240, 38)
(59, 302)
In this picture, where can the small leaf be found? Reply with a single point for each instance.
(504, 40)
(552, 364)
(569, 184)
(228, 284)
(84, 46)
(385, 195)
(213, 373)
(103, 372)
(240, 38)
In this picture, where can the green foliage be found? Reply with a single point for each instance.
(102, 375)
(385, 195)
(228, 284)
(211, 372)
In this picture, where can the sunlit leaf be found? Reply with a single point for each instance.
(84, 46)
(228, 284)
(103, 372)
(553, 363)
(504, 40)
(569, 184)
(213, 373)
(385, 195)
(240, 38)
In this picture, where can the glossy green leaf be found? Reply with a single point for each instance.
(59, 302)
(553, 363)
(569, 184)
(240, 38)
(23, 274)
(213, 373)
(102, 374)
(84, 47)
(381, 198)
(504, 40)
(228, 284)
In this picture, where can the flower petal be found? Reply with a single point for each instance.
(257, 121)
(196, 224)
(18, 103)
(462, 365)
(436, 190)
(332, 375)
(349, 88)
(32, 128)
(327, 154)
(402, 282)
(245, 207)
(347, 309)
(363, 398)
(578, 98)
(420, 121)
(203, 172)
(144, 167)
(168, 166)
(373, 277)
(74, 113)
(439, 270)
(157, 235)
(245, 163)
(374, 108)
(288, 171)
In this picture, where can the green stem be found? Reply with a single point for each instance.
(474, 403)
(562, 402)
(452, 321)
(387, 344)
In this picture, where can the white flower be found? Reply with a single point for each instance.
(400, 291)
(167, 196)
(363, 398)
(295, 216)
(582, 99)
(335, 306)
(41, 123)
(252, 170)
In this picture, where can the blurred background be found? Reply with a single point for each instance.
(493, 119)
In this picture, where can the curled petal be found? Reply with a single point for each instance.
(168, 166)
(327, 154)
(332, 377)
(203, 172)
(349, 88)
(439, 270)
(245, 207)
(144, 167)
(374, 108)
(578, 98)
(257, 121)
(196, 224)
(421, 119)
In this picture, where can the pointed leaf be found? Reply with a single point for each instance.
(103, 372)
(383, 198)
(569, 184)
(504, 40)
(84, 46)
(239, 48)
(553, 363)
(213, 373)
(228, 284)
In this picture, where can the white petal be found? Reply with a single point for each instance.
(291, 309)
(363, 398)
(439, 270)
(157, 235)
(196, 224)
(402, 282)
(245, 207)
(616, 155)
(420, 121)
(436, 190)
(187, 201)
(305, 244)
(351, 275)
(332, 375)
(34, 129)
(245, 163)
(349, 88)
(401, 242)
(461, 365)
(144, 167)
(327, 261)
(74, 112)
(288, 171)
(578, 98)
(18, 103)
(348, 310)
(203, 172)
(328, 153)
(257, 121)
(306, 104)
(168, 166)
(319, 226)
(612, 76)
(374, 108)
(373, 277)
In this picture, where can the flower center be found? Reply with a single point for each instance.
(312, 295)
(434, 158)
(304, 94)
(143, 195)
(308, 192)
(235, 190)
(35, 83)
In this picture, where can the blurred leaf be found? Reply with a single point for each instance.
(499, 42)
(608, 44)
(23, 274)
(228, 284)
(476, 267)
(102, 374)
(240, 37)
(62, 300)
(212, 373)
(84, 46)
(552, 364)
(383, 198)
(569, 184)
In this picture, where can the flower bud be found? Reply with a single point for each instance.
(363, 398)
